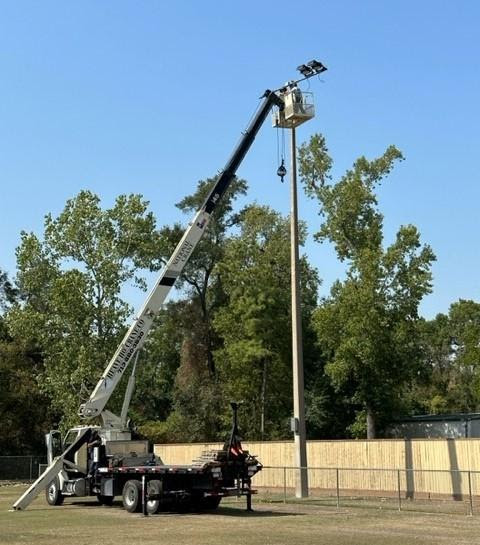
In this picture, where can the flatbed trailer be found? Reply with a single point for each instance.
(152, 486)
(198, 486)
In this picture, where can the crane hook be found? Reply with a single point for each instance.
(282, 171)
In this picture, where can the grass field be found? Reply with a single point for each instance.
(85, 522)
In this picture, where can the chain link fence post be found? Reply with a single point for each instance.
(337, 471)
(399, 491)
(470, 492)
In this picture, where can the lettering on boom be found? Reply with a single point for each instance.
(127, 350)
(183, 253)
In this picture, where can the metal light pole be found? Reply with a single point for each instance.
(300, 436)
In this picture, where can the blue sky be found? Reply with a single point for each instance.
(149, 97)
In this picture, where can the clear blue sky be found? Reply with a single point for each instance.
(151, 96)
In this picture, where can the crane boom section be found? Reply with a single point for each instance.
(136, 334)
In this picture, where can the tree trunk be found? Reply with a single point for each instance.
(262, 397)
(371, 431)
(210, 360)
(208, 331)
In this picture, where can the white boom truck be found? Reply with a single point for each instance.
(103, 460)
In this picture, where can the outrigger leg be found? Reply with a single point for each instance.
(249, 502)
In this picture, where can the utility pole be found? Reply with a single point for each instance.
(300, 435)
(298, 108)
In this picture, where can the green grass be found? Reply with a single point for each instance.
(84, 522)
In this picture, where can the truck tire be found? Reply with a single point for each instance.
(105, 500)
(153, 487)
(132, 496)
(53, 493)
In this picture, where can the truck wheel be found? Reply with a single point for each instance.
(132, 496)
(153, 487)
(53, 494)
(105, 500)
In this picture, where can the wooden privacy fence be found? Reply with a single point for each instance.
(416, 467)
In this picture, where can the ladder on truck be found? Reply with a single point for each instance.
(50, 473)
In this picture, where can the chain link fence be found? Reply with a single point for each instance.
(450, 491)
(20, 468)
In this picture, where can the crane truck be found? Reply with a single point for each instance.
(103, 460)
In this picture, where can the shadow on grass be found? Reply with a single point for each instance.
(234, 512)
(222, 510)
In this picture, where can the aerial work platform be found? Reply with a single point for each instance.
(298, 108)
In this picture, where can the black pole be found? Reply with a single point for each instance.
(249, 502)
(228, 173)
(144, 496)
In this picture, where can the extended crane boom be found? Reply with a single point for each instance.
(136, 335)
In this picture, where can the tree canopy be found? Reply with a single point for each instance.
(70, 282)
(367, 326)
(226, 333)
(450, 377)
(255, 322)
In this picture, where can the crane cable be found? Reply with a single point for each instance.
(281, 170)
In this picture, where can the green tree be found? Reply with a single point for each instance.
(24, 410)
(450, 378)
(198, 278)
(464, 318)
(175, 382)
(157, 366)
(367, 327)
(71, 307)
(8, 295)
(183, 341)
(8, 292)
(255, 360)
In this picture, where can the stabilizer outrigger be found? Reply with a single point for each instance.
(52, 471)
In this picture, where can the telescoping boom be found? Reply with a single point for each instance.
(132, 342)
(137, 333)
